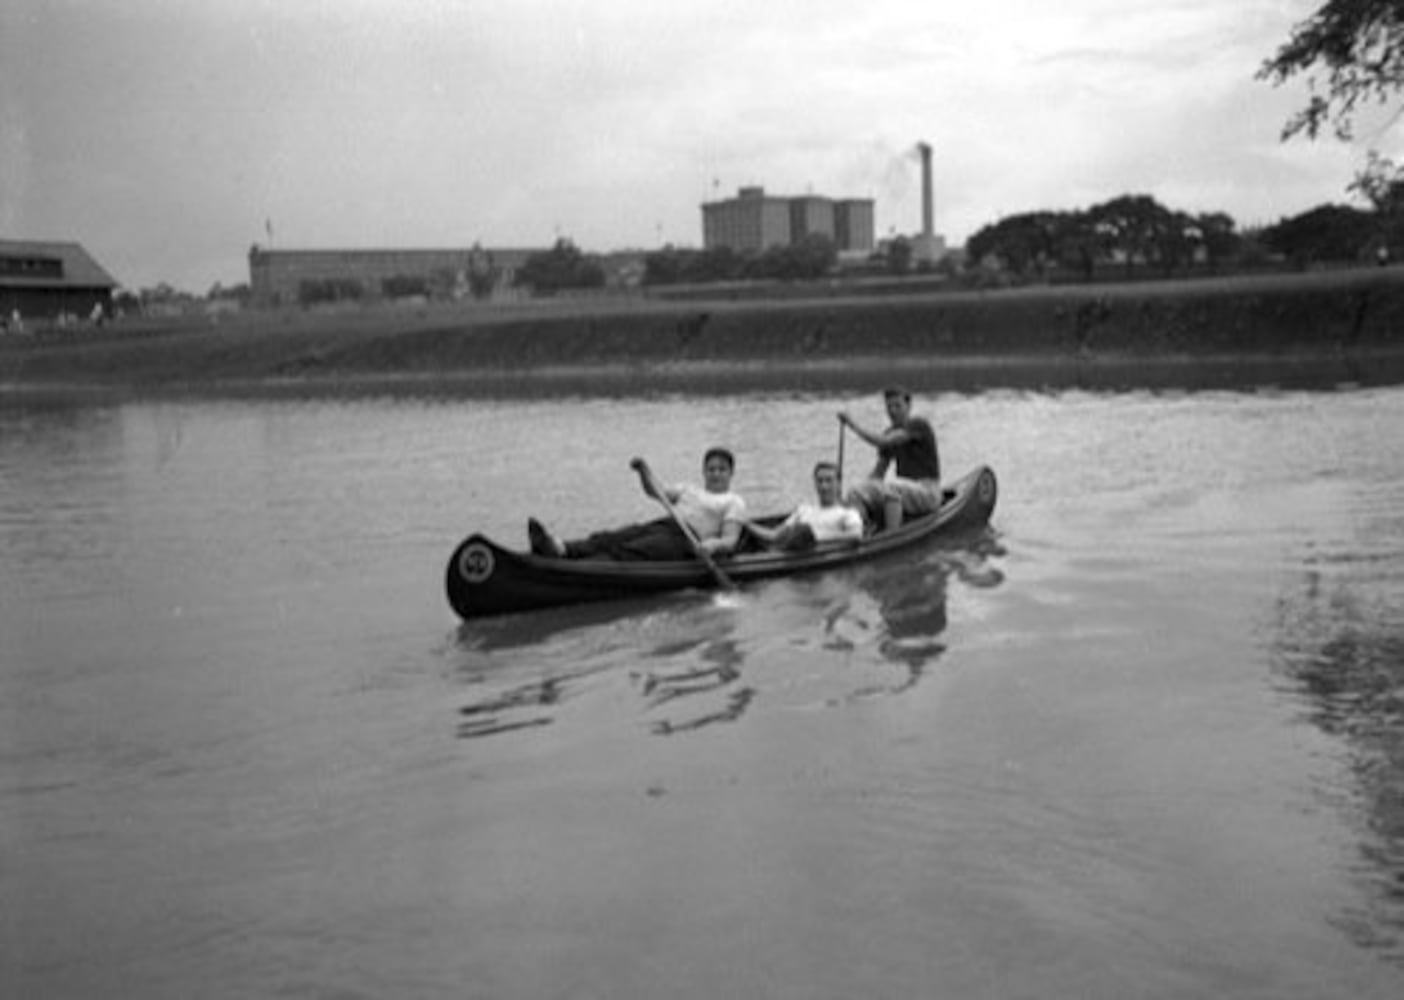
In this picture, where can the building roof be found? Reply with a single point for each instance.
(77, 267)
(757, 196)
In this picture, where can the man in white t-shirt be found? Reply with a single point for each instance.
(713, 512)
(811, 523)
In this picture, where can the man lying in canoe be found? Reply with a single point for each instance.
(811, 523)
(910, 443)
(714, 513)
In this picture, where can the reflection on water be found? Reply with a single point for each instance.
(513, 632)
(908, 595)
(486, 718)
(681, 647)
(736, 702)
(1344, 653)
(688, 654)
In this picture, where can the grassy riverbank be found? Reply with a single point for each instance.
(1344, 321)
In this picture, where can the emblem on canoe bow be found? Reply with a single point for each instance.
(476, 563)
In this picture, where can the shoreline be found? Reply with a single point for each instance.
(1318, 328)
(859, 375)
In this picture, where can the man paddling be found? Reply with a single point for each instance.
(811, 523)
(910, 443)
(714, 513)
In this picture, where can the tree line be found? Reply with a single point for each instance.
(1130, 236)
(1138, 236)
(564, 266)
(812, 257)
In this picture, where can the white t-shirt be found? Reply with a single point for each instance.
(706, 513)
(828, 523)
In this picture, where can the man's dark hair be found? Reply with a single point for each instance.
(722, 453)
(896, 390)
(799, 539)
(825, 464)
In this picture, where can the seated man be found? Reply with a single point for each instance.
(910, 443)
(714, 513)
(809, 524)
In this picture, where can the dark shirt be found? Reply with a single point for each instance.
(917, 458)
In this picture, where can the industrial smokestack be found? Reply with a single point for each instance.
(927, 211)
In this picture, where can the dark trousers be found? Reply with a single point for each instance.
(660, 539)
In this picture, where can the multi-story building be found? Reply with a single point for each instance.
(754, 221)
(811, 216)
(853, 224)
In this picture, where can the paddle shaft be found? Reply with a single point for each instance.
(842, 428)
(722, 579)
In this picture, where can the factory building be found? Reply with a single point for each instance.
(853, 225)
(927, 246)
(754, 221)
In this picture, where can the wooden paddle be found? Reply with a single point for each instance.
(842, 428)
(723, 581)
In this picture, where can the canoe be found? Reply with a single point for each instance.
(483, 578)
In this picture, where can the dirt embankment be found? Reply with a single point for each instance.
(1356, 315)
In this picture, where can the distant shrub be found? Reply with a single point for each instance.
(314, 291)
(561, 267)
(404, 286)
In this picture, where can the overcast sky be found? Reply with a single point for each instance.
(169, 135)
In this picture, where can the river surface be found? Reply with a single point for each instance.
(1143, 738)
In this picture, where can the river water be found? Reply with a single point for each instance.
(1145, 737)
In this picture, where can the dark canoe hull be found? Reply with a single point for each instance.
(485, 579)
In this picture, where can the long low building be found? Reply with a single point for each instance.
(304, 277)
(44, 279)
